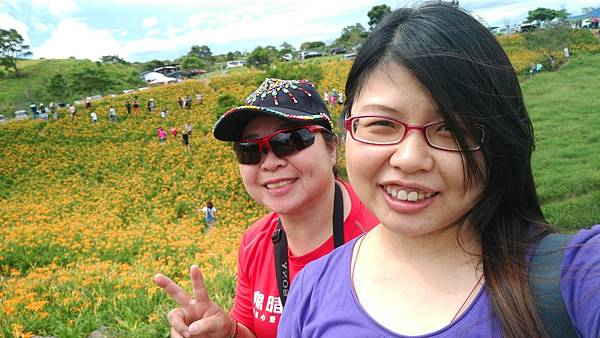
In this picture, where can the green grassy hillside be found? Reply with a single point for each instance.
(564, 108)
(18, 92)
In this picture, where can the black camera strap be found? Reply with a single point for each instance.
(281, 248)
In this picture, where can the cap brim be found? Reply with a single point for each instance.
(230, 126)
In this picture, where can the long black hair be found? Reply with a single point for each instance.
(471, 82)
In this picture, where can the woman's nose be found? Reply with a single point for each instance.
(413, 154)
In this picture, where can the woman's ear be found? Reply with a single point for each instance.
(334, 151)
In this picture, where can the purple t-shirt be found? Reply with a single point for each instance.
(323, 303)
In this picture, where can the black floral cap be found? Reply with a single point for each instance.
(294, 100)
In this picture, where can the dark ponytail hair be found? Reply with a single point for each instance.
(471, 81)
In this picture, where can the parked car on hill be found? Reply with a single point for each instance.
(21, 115)
(235, 63)
(287, 57)
(310, 54)
(338, 50)
(349, 56)
(2, 119)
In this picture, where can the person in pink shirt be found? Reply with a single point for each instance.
(162, 135)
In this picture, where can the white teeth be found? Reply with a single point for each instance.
(278, 184)
(403, 195)
(412, 196)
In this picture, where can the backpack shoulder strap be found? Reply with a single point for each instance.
(544, 279)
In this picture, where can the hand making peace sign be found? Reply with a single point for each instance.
(198, 317)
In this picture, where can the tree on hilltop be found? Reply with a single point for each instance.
(352, 36)
(541, 14)
(286, 48)
(11, 49)
(262, 56)
(203, 52)
(192, 62)
(233, 55)
(376, 14)
(111, 59)
(312, 45)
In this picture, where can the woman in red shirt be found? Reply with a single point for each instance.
(286, 149)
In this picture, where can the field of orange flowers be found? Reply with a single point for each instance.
(90, 212)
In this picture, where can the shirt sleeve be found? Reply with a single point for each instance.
(242, 304)
(580, 281)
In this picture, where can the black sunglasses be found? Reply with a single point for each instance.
(282, 143)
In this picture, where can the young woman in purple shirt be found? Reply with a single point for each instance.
(438, 147)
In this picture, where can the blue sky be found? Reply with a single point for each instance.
(141, 30)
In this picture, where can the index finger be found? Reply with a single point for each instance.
(172, 289)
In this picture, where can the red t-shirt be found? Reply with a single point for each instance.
(257, 304)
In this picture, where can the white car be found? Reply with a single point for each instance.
(235, 64)
(287, 57)
(21, 115)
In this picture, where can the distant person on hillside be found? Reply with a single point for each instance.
(128, 107)
(33, 108)
(532, 69)
(180, 102)
(326, 97)
(162, 135)
(566, 52)
(188, 102)
(163, 114)
(286, 152)
(94, 116)
(210, 216)
(185, 138)
(188, 128)
(551, 61)
(72, 111)
(112, 114)
(88, 103)
(595, 22)
(333, 97)
(341, 99)
(136, 105)
(538, 68)
(53, 109)
(173, 131)
(150, 105)
(199, 98)
(43, 112)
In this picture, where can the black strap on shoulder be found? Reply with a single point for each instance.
(338, 217)
(279, 240)
(544, 279)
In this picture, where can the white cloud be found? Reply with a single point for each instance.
(8, 22)
(153, 32)
(74, 38)
(217, 27)
(150, 22)
(57, 8)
